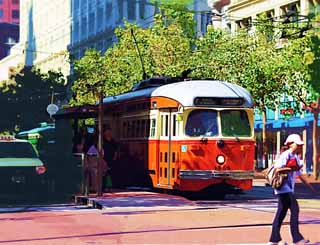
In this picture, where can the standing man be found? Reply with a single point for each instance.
(285, 194)
(110, 155)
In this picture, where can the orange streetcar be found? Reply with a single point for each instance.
(183, 135)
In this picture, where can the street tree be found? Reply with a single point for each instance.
(25, 96)
(303, 70)
(90, 77)
(160, 50)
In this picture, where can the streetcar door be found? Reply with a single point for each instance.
(165, 148)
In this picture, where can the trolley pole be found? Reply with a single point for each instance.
(100, 144)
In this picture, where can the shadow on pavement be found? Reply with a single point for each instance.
(35, 199)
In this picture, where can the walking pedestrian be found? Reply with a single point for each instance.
(110, 155)
(285, 194)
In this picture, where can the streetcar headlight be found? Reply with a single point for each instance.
(220, 159)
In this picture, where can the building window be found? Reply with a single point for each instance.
(91, 23)
(142, 9)
(15, 1)
(292, 11)
(90, 5)
(84, 27)
(84, 4)
(120, 9)
(76, 4)
(245, 23)
(108, 9)
(99, 18)
(131, 8)
(76, 32)
(15, 14)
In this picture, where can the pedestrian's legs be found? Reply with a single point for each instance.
(283, 205)
(294, 219)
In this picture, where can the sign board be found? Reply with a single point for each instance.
(52, 109)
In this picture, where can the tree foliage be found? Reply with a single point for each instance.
(165, 49)
(25, 96)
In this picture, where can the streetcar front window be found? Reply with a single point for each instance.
(202, 123)
(235, 123)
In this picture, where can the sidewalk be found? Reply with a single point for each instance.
(148, 199)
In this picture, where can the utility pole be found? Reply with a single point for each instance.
(315, 134)
(100, 143)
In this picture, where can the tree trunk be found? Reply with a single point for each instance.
(315, 140)
(264, 137)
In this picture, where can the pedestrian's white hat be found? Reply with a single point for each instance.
(294, 138)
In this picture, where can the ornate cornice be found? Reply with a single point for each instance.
(242, 3)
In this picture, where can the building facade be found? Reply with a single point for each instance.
(9, 11)
(94, 21)
(45, 34)
(51, 30)
(243, 12)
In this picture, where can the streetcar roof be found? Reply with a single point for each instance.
(185, 92)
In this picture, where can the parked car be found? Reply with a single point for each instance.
(21, 170)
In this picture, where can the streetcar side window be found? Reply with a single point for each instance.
(124, 130)
(167, 125)
(153, 128)
(128, 129)
(235, 123)
(143, 128)
(202, 123)
(164, 125)
(174, 125)
(138, 130)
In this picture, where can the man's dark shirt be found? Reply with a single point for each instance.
(110, 147)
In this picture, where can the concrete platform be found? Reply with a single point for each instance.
(134, 200)
(140, 199)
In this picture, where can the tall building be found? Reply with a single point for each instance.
(9, 11)
(94, 21)
(50, 30)
(45, 32)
